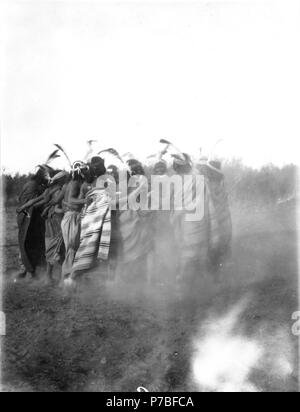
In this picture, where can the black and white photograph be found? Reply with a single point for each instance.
(149, 183)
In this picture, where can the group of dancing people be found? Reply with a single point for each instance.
(69, 219)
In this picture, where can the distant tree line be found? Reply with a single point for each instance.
(270, 184)
(13, 186)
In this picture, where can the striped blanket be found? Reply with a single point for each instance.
(95, 231)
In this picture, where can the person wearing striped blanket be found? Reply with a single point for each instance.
(95, 235)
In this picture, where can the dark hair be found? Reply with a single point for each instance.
(97, 166)
(162, 165)
(185, 168)
(88, 175)
(132, 162)
(39, 176)
(77, 177)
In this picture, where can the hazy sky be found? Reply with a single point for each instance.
(130, 73)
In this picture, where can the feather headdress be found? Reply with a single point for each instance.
(113, 152)
(64, 152)
(172, 146)
(52, 156)
(79, 167)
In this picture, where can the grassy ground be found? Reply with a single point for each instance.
(116, 338)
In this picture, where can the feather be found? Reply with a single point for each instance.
(41, 167)
(52, 156)
(64, 152)
(179, 153)
(90, 142)
(112, 152)
(177, 157)
(164, 141)
(46, 168)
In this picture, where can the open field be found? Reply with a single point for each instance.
(232, 333)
